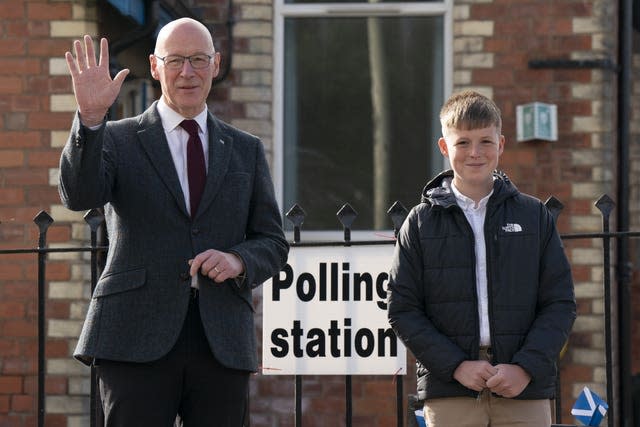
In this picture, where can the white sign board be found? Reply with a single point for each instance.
(326, 314)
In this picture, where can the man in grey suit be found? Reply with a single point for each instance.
(170, 324)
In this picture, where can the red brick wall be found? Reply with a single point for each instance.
(522, 31)
(26, 158)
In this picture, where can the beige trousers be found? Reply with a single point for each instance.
(487, 411)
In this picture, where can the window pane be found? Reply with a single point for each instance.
(360, 123)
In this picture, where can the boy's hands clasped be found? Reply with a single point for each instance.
(509, 380)
(505, 380)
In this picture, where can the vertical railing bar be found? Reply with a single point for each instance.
(94, 377)
(346, 215)
(399, 396)
(41, 340)
(298, 396)
(298, 378)
(558, 403)
(555, 206)
(608, 327)
(94, 219)
(348, 400)
(348, 386)
(41, 326)
(398, 214)
(605, 205)
(296, 215)
(607, 319)
(43, 220)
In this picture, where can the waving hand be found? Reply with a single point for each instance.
(92, 84)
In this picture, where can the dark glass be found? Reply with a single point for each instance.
(329, 125)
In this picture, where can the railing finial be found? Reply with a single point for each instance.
(605, 205)
(555, 206)
(296, 215)
(346, 215)
(43, 220)
(398, 214)
(94, 218)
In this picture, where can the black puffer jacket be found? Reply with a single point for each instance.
(433, 305)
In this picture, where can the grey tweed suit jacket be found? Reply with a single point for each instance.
(139, 304)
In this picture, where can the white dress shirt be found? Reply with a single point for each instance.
(475, 214)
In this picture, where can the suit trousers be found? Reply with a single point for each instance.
(188, 382)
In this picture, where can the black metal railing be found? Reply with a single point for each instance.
(346, 216)
(43, 220)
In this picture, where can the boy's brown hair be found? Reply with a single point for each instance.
(469, 110)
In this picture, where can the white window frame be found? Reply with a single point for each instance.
(284, 10)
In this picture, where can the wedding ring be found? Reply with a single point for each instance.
(216, 269)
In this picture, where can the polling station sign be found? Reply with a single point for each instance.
(326, 314)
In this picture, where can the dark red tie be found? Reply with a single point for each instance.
(195, 165)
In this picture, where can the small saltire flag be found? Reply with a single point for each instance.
(589, 408)
(420, 418)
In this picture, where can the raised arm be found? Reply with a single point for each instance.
(93, 86)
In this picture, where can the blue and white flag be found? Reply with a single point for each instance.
(589, 409)
(420, 418)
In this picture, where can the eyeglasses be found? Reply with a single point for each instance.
(176, 62)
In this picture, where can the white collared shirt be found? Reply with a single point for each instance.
(475, 214)
(177, 139)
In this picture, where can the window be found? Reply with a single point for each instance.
(359, 87)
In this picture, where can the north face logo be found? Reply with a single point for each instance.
(512, 228)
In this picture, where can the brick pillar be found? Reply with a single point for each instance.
(27, 159)
(74, 290)
(38, 100)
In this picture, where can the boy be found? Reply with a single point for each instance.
(480, 289)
